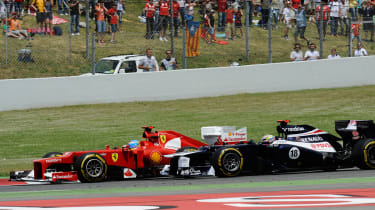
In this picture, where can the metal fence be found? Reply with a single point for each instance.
(251, 43)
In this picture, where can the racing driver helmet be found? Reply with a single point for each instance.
(133, 144)
(268, 139)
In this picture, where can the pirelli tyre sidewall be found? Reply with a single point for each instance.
(91, 167)
(364, 154)
(228, 162)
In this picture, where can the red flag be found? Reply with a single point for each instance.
(193, 32)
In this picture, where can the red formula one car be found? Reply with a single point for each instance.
(129, 161)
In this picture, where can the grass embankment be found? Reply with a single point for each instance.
(51, 54)
(29, 134)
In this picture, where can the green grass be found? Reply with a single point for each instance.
(51, 54)
(29, 134)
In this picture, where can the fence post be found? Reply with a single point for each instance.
(184, 46)
(87, 29)
(321, 36)
(269, 35)
(6, 36)
(93, 53)
(247, 14)
(350, 38)
(70, 33)
(171, 25)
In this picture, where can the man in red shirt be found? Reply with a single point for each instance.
(325, 18)
(150, 13)
(176, 13)
(229, 23)
(164, 19)
(112, 13)
(221, 7)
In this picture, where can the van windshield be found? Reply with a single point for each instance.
(106, 66)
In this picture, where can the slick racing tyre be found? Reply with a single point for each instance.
(91, 167)
(227, 162)
(364, 154)
(173, 164)
(52, 154)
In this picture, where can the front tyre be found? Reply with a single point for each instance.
(91, 167)
(364, 154)
(227, 162)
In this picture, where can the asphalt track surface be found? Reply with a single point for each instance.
(316, 181)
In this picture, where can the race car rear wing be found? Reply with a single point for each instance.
(220, 135)
(351, 129)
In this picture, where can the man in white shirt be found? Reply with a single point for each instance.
(360, 51)
(296, 54)
(333, 54)
(311, 54)
(334, 16)
(149, 63)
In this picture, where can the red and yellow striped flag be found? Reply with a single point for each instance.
(193, 32)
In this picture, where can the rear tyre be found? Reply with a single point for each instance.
(52, 154)
(91, 167)
(227, 162)
(364, 154)
(173, 164)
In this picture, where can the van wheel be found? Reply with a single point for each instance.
(364, 154)
(227, 162)
(91, 167)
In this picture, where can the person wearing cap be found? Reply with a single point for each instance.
(15, 29)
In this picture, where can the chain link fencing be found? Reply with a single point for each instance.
(250, 43)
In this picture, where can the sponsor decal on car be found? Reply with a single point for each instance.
(114, 157)
(53, 160)
(163, 139)
(155, 157)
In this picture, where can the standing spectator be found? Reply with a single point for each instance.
(265, 13)
(49, 16)
(112, 13)
(209, 22)
(360, 51)
(176, 14)
(148, 63)
(62, 7)
(164, 19)
(288, 14)
(300, 24)
(353, 8)
(156, 16)
(74, 15)
(333, 54)
(238, 22)
(276, 6)
(325, 18)
(296, 54)
(355, 30)
(368, 13)
(229, 28)
(150, 13)
(344, 20)
(221, 7)
(182, 11)
(189, 10)
(120, 12)
(39, 7)
(311, 54)
(334, 15)
(168, 63)
(100, 21)
(18, 7)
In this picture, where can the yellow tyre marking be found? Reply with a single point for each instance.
(365, 154)
(89, 156)
(220, 164)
